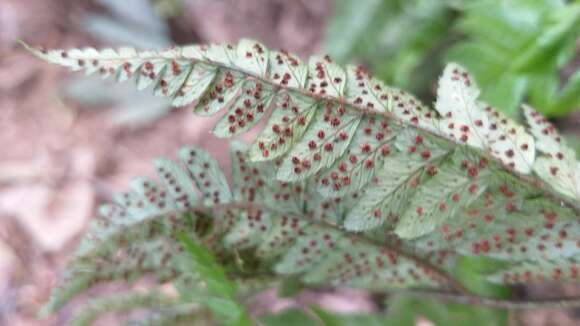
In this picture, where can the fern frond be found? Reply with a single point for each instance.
(351, 182)
(558, 166)
(268, 236)
(315, 249)
(121, 262)
(316, 107)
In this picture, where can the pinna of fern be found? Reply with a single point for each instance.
(350, 183)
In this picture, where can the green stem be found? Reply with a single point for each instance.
(443, 278)
(531, 303)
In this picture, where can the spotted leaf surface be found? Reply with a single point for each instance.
(249, 182)
(309, 250)
(509, 226)
(291, 115)
(225, 88)
(226, 76)
(168, 73)
(326, 77)
(410, 110)
(135, 235)
(245, 111)
(207, 175)
(364, 90)
(470, 122)
(350, 183)
(195, 85)
(283, 233)
(509, 142)
(412, 160)
(549, 270)
(287, 70)
(548, 140)
(249, 229)
(558, 166)
(326, 139)
(562, 176)
(178, 183)
(332, 210)
(384, 200)
(436, 201)
(370, 145)
(256, 182)
(252, 57)
(361, 265)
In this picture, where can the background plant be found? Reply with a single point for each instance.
(518, 51)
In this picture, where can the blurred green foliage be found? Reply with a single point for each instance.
(218, 293)
(403, 311)
(399, 40)
(519, 50)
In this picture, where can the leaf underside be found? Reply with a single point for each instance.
(350, 183)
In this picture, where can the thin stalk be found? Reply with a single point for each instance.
(531, 303)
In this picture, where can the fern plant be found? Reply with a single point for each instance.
(351, 183)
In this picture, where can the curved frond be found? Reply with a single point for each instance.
(350, 183)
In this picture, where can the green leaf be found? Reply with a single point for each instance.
(568, 99)
(220, 298)
(339, 319)
(405, 310)
(351, 24)
(512, 44)
(398, 40)
(291, 114)
(212, 273)
(289, 287)
(543, 89)
(289, 318)
(507, 93)
(471, 272)
(564, 24)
